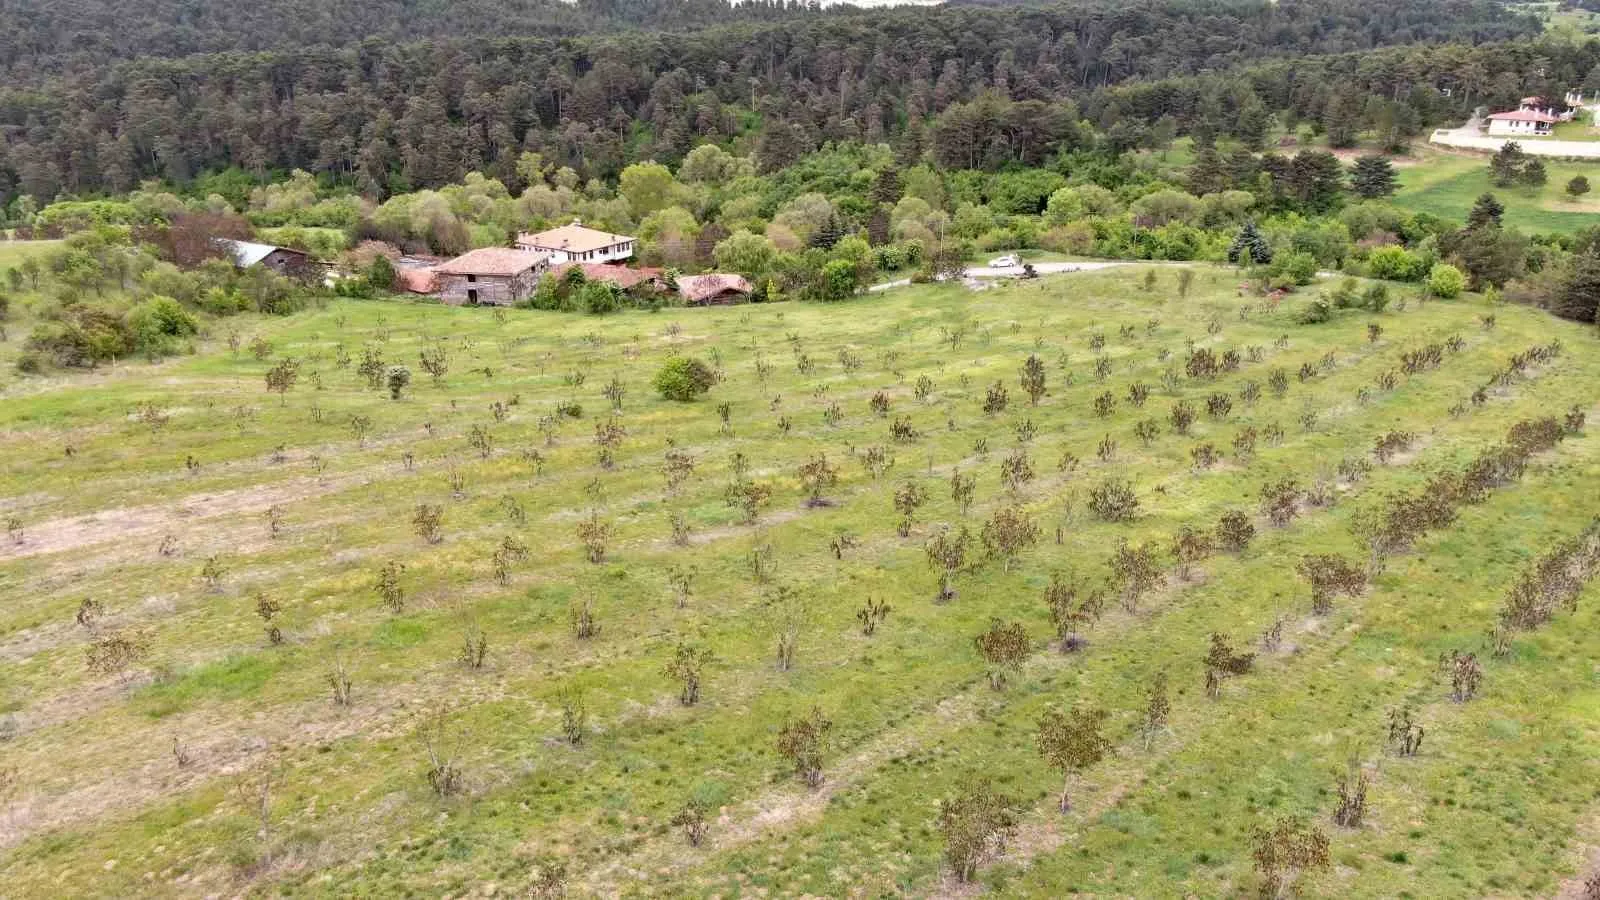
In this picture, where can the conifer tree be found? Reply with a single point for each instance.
(1372, 178)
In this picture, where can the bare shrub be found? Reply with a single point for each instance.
(428, 521)
(1072, 743)
(804, 742)
(871, 615)
(976, 825)
(947, 553)
(687, 667)
(1222, 661)
(1286, 853)
(441, 744)
(1113, 500)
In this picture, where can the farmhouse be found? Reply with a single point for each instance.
(283, 260)
(494, 276)
(576, 243)
(705, 290)
(1535, 116)
(1521, 122)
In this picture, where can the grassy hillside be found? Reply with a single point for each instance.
(1447, 185)
(148, 778)
(13, 252)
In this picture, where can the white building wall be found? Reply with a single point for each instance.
(1513, 127)
(604, 254)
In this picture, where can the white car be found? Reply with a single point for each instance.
(1003, 262)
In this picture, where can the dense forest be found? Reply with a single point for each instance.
(67, 35)
(965, 86)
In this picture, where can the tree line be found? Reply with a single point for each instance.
(388, 118)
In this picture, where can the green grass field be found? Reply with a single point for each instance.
(174, 464)
(13, 252)
(1447, 185)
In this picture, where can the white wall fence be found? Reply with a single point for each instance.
(1530, 146)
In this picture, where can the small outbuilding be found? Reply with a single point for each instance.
(715, 288)
(283, 260)
(491, 276)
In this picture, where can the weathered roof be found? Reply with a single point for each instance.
(416, 279)
(1524, 115)
(248, 253)
(621, 276)
(573, 238)
(704, 287)
(493, 261)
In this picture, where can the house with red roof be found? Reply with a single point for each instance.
(1521, 123)
(1534, 116)
(577, 243)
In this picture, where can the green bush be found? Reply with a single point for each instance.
(1375, 299)
(1393, 263)
(158, 323)
(1345, 295)
(684, 378)
(1297, 265)
(1316, 312)
(1447, 281)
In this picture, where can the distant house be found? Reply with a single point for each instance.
(1562, 112)
(1524, 122)
(1535, 116)
(623, 277)
(575, 243)
(704, 290)
(493, 276)
(283, 260)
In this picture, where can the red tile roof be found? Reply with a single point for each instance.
(416, 279)
(493, 261)
(697, 288)
(621, 276)
(1524, 115)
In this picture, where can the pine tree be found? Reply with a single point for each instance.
(1341, 119)
(1250, 247)
(1533, 173)
(886, 188)
(878, 227)
(1486, 211)
(828, 233)
(1579, 298)
(1505, 167)
(1207, 176)
(1372, 178)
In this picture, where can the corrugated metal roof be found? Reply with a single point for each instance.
(248, 253)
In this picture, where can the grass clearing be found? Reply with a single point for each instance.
(1495, 803)
(1447, 185)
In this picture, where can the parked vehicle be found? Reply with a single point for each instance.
(1003, 262)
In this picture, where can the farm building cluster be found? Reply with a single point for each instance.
(505, 276)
